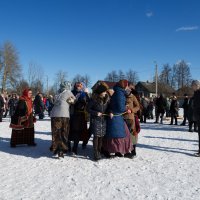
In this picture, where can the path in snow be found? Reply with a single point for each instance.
(165, 168)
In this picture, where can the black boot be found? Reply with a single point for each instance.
(190, 127)
(69, 147)
(128, 155)
(134, 150)
(195, 127)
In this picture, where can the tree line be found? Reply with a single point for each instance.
(176, 76)
(11, 76)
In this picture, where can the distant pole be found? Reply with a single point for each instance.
(156, 74)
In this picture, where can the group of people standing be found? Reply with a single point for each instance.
(114, 118)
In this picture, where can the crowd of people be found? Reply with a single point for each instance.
(114, 117)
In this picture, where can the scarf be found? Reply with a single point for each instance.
(28, 101)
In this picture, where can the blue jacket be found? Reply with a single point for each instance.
(116, 125)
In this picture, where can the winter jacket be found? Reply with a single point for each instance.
(12, 104)
(38, 104)
(196, 106)
(132, 104)
(20, 119)
(61, 104)
(98, 124)
(190, 110)
(1, 103)
(161, 105)
(174, 107)
(116, 125)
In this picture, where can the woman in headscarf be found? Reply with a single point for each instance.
(97, 107)
(117, 139)
(78, 118)
(60, 119)
(22, 122)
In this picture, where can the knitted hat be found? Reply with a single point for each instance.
(102, 87)
(123, 83)
(66, 85)
(196, 82)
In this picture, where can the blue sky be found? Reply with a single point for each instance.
(98, 36)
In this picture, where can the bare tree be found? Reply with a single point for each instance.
(132, 76)
(21, 85)
(35, 72)
(121, 75)
(183, 75)
(10, 67)
(87, 80)
(165, 75)
(112, 76)
(60, 77)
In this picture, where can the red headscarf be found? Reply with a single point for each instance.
(27, 100)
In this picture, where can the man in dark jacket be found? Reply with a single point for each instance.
(161, 105)
(196, 106)
(185, 109)
(1, 107)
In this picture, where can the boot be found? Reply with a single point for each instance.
(128, 155)
(69, 147)
(190, 127)
(134, 150)
(195, 127)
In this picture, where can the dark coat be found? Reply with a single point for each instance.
(161, 104)
(98, 124)
(174, 107)
(190, 110)
(20, 119)
(196, 106)
(38, 104)
(78, 118)
(116, 125)
(1, 102)
(12, 104)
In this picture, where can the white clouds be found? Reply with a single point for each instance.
(187, 28)
(149, 14)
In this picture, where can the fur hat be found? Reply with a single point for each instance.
(196, 82)
(102, 87)
(122, 83)
(66, 85)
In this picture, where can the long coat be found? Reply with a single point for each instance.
(190, 110)
(174, 107)
(78, 121)
(38, 104)
(161, 104)
(116, 125)
(12, 104)
(196, 106)
(98, 123)
(61, 105)
(20, 119)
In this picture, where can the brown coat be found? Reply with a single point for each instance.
(132, 104)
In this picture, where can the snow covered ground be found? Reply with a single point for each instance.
(165, 168)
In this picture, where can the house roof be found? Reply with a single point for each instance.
(110, 84)
(151, 87)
